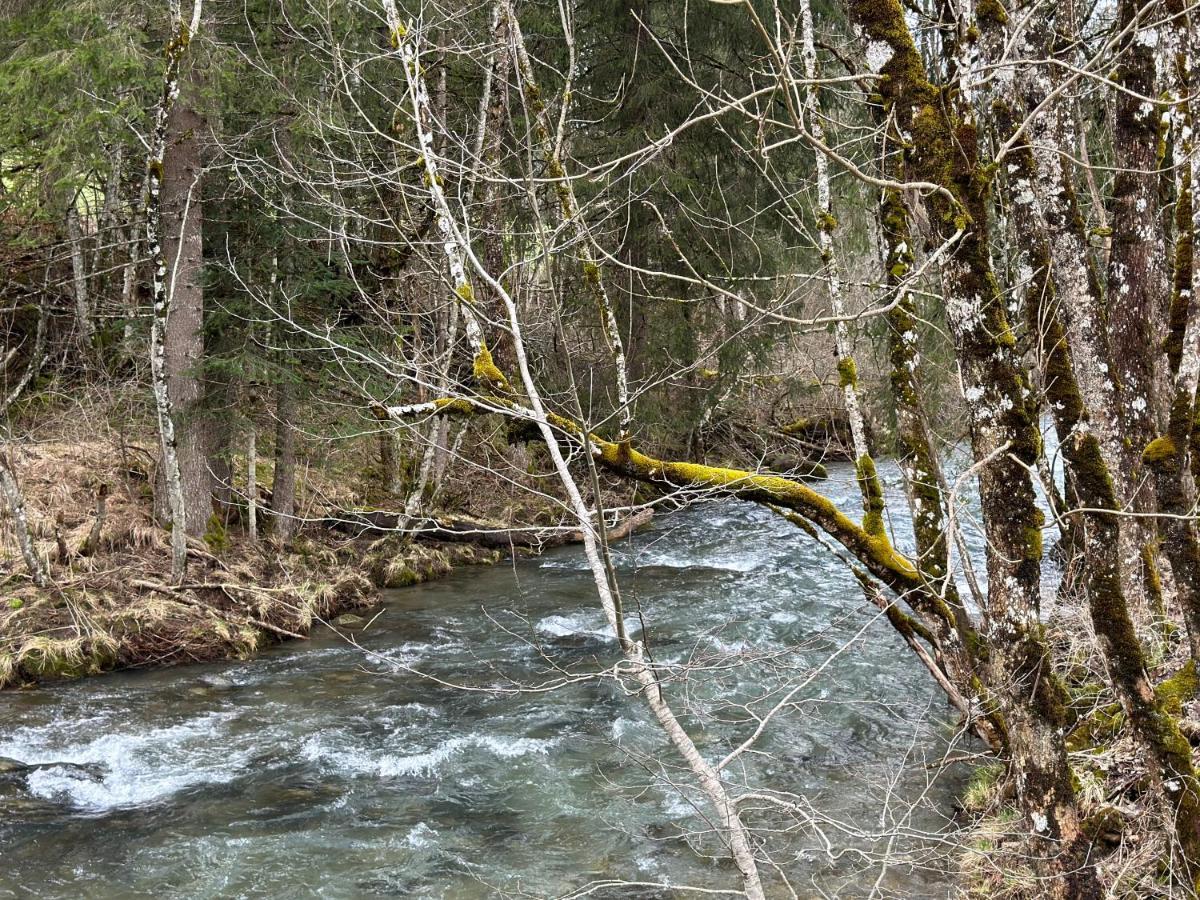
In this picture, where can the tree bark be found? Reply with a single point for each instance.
(283, 485)
(79, 281)
(183, 339)
(162, 289)
(16, 508)
(1004, 438)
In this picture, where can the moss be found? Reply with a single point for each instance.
(1096, 729)
(991, 11)
(873, 549)
(847, 372)
(826, 222)
(1033, 542)
(591, 273)
(215, 535)
(1158, 451)
(15, 603)
(465, 292)
(486, 371)
(405, 577)
(1179, 689)
(398, 34)
(873, 505)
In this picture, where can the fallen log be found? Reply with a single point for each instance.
(462, 529)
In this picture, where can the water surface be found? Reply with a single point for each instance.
(325, 769)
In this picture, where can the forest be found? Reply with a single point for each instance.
(626, 448)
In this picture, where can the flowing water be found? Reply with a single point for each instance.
(325, 769)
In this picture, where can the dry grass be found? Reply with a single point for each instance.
(1128, 830)
(96, 616)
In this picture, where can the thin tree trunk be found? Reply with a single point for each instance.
(252, 483)
(79, 281)
(16, 508)
(283, 485)
(710, 781)
(571, 217)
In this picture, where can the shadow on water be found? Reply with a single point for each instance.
(318, 770)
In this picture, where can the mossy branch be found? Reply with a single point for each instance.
(873, 550)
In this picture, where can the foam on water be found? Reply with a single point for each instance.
(428, 763)
(557, 626)
(122, 768)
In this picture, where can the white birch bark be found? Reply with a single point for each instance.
(825, 224)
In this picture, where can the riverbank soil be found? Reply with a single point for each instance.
(110, 604)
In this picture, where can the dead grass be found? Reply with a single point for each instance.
(1129, 832)
(100, 613)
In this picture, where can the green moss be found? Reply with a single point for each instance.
(1100, 727)
(465, 292)
(1159, 450)
(847, 372)
(1033, 542)
(591, 273)
(991, 11)
(15, 603)
(216, 536)
(398, 34)
(1177, 690)
(486, 371)
(873, 549)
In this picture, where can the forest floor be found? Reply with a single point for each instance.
(1128, 833)
(114, 606)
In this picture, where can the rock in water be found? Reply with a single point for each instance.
(11, 766)
(349, 620)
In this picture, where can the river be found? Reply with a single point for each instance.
(325, 769)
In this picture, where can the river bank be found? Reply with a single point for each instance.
(109, 604)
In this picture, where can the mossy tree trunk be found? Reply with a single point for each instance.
(944, 150)
(1155, 727)
(1168, 455)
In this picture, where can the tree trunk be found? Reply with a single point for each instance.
(1005, 441)
(283, 487)
(163, 286)
(1124, 660)
(16, 508)
(183, 338)
(252, 483)
(79, 281)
